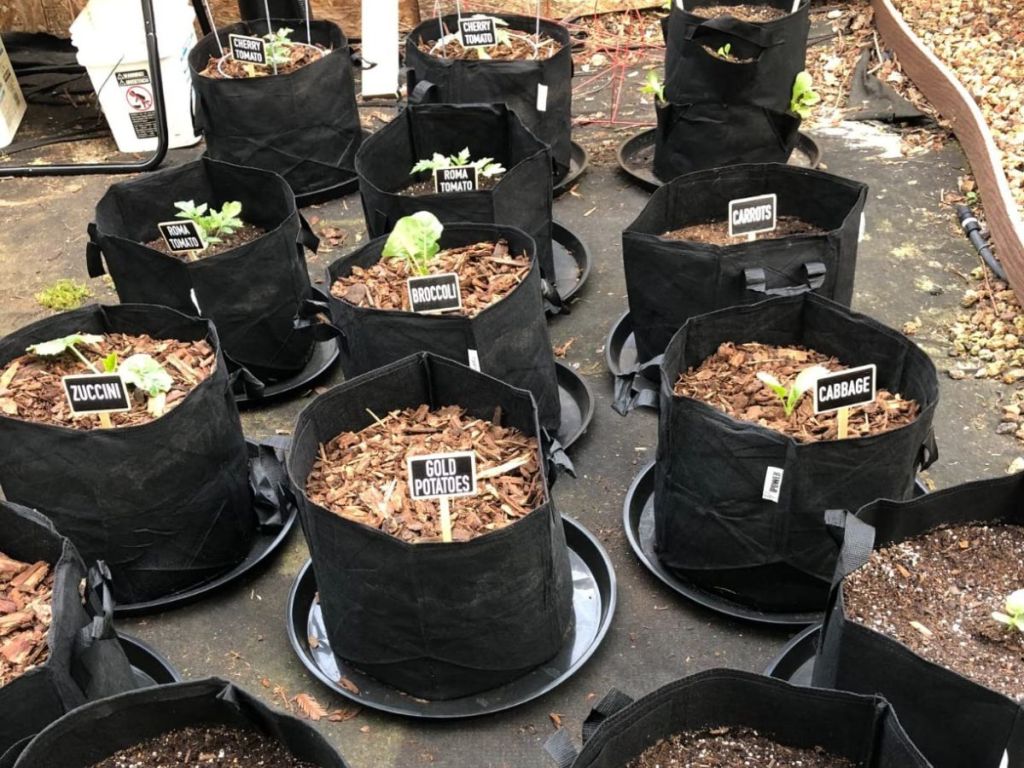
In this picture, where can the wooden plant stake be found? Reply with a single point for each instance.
(843, 415)
(446, 520)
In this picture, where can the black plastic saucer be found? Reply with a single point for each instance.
(636, 157)
(593, 604)
(577, 403)
(579, 161)
(265, 544)
(149, 665)
(572, 261)
(620, 354)
(795, 664)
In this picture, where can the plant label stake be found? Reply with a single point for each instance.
(434, 293)
(442, 476)
(751, 215)
(182, 235)
(449, 181)
(96, 394)
(842, 390)
(478, 33)
(250, 50)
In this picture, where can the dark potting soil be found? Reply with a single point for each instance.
(519, 46)
(717, 232)
(743, 12)
(732, 748)
(487, 274)
(213, 747)
(426, 187)
(299, 56)
(26, 596)
(245, 234)
(936, 594)
(362, 475)
(728, 381)
(31, 389)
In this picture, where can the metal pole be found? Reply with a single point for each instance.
(270, 30)
(206, 7)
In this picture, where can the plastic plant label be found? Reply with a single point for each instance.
(478, 33)
(434, 293)
(772, 484)
(442, 475)
(750, 215)
(542, 97)
(195, 300)
(845, 389)
(474, 359)
(448, 181)
(181, 235)
(248, 50)
(96, 393)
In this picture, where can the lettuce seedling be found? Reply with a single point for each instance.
(804, 96)
(213, 223)
(55, 347)
(1014, 616)
(417, 239)
(653, 86)
(485, 166)
(279, 46)
(791, 397)
(147, 375)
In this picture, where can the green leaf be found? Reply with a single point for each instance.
(804, 97)
(55, 347)
(807, 378)
(416, 239)
(1015, 603)
(146, 374)
(110, 362)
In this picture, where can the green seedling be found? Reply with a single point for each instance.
(485, 166)
(1014, 616)
(213, 223)
(63, 295)
(417, 239)
(279, 46)
(653, 86)
(56, 347)
(725, 51)
(791, 397)
(804, 96)
(110, 363)
(148, 376)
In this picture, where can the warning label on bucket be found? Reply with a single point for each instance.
(138, 95)
(132, 77)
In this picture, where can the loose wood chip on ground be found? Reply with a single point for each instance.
(26, 596)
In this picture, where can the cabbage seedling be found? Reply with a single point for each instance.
(804, 96)
(1014, 616)
(213, 223)
(416, 239)
(791, 397)
(55, 347)
(147, 375)
(653, 86)
(485, 166)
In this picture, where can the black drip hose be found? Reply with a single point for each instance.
(972, 229)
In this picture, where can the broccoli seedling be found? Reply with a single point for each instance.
(279, 46)
(653, 86)
(1014, 616)
(417, 239)
(148, 376)
(804, 96)
(55, 347)
(63, 295)
(485, 166)
(791, 397)
(214, 224)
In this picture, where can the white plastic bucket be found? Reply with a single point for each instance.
(111, 41)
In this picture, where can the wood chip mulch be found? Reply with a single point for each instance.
(299, 57)
(31, 389)
(26, 596)
(361, 476)
(728, 381)
(731, 748)
(520, 46)
(717, 232)
(244, 234)
(935, 594)
(487, 274)
(743, 12)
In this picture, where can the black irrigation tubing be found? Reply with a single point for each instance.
(972, 229)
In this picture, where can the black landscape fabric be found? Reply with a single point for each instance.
(956, 722)
(540, 92)
(712, 522)
(863, 729)
(510, 338)
(459, 618)
(252, 292)
(303, 125)
(98, 730)
(166, 504)
(85, 658)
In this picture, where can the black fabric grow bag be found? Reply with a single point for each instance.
(956, 722)
(515, 83)
(521, 198)
(252, 292)
(166, 504)
(303, 125)
(712, 523)
(863, 729)
(85, 658)
(510, 338)
(100, 729)
(669, 281)
(438, 621)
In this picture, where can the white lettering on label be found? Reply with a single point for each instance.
(842, 389)
(751, 215)
(434, 293)
(95, 391)
(483, 25)
(477, 39)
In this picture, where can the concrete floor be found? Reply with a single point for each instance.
(907, 269)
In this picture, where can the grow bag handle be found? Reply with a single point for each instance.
(754, 34)
(316, 316)
(560, 747)
(814, 277)
(244, 382)
(424, 91)
(98, 664)
(94, 253)
(856, 541)
(556, 456)
(928, 453)
(636, 389)
(306, 236)
(363, 64)
(552, 301)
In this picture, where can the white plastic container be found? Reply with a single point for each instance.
(111, 41)
(12, 102)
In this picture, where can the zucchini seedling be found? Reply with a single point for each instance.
(149, 377)
(485, 166)
(791, 397)
(56, 347)
(416, 239)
